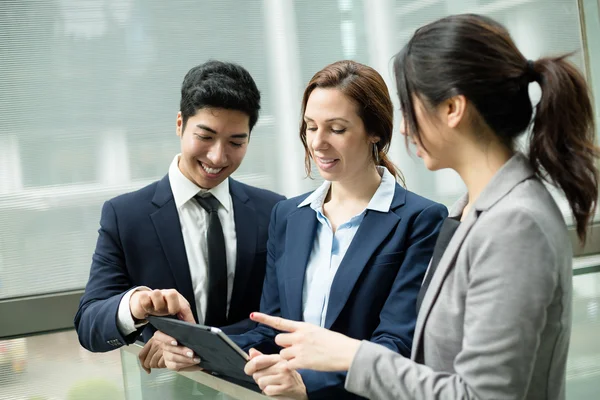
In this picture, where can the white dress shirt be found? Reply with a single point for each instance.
(329, 248)
(193, 220)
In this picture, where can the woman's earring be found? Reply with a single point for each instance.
(375, 153)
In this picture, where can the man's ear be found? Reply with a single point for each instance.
(179, 125)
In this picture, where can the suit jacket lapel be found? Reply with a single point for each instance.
(373, 230)
(246, 226)
(299, 237)
(168, 228)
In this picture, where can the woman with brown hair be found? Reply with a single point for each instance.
(351, 255)
(495, 308)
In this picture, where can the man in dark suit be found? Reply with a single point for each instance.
(192, 244)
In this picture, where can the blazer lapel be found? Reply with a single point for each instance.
(513, 172)
(246, 226)
(373, 230)
(299, 237)
(168, 229)
(445, 265)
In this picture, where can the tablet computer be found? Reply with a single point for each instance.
(218, 354)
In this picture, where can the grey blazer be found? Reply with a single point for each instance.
(495, 321)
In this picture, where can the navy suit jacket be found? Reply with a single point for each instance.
(140, 244)
(373, 295)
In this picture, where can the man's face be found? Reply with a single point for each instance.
(213, 144)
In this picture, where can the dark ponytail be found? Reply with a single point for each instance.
(562, 146)
(474, 56)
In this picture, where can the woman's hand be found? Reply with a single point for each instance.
(309, 346)
(274, 376)
(175, 357)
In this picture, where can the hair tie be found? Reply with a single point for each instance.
(530, 73)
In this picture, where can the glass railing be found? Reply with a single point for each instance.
(55, 367)
(164, 384)
(583, 366)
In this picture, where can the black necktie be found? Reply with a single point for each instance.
(216, 308)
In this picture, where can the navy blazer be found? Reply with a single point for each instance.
(373, 295)
(140, 244)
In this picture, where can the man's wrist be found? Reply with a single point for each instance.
(134, 305)
(126, 323)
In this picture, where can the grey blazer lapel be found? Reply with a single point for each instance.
(515, 171)
(446, 263)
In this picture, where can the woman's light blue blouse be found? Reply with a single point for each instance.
(329, 248)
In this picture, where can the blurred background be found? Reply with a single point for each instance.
(89, 93)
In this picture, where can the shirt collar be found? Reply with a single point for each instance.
(183, 189)
(381, 200)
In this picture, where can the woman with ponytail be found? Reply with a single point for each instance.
(351, 255)
(494, 311)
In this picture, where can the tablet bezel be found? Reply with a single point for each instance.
(160, 323)
(230, 342)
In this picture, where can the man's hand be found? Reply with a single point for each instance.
(151, 355)
(159, 302)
